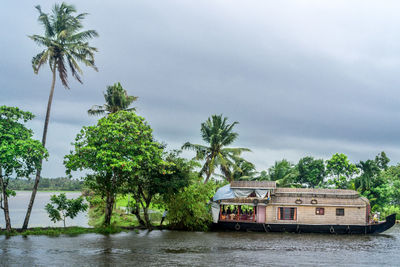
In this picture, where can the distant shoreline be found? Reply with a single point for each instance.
(55, 190)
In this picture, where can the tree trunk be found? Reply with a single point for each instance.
(208, 169)
(46, 124)
(5, 204)
(208, 177)
(109, 209)
(146, 214)
(136, 211)
(146, 218)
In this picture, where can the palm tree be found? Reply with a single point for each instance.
(370, 170)
(283, 172)
(64, 45)
(218, 134)
(116, 99)
(243, 170)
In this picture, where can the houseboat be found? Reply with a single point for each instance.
(261, 206)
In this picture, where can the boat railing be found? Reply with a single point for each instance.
(237, 217)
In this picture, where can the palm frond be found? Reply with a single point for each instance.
(83, 36)
(62, 72)
(96, 110)
(44, 20)
(64, 43)
(39, 60)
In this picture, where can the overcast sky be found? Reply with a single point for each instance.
(301, 77)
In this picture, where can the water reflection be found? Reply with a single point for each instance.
(173, 248)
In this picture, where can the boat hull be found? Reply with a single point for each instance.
(308, 228)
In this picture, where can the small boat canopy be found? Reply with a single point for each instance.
(242, 189)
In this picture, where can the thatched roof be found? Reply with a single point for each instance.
(313, 192)
(318, 201)
(254, 184)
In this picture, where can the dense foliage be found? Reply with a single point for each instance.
(189, 209)
(118, 150)
(20, 154)
(158, 183)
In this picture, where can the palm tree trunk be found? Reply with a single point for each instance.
(208, 177)
(46, 124)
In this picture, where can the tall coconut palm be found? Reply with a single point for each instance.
(217, 133)
(65, 44)
(116, 99)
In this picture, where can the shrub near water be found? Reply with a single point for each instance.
(189, 209)
(60, 207)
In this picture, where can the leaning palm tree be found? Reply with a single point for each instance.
(65, 44)
(116, 99)
(217, 133)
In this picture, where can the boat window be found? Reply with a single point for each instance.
(339, 212)
(287, 213)
(320, 211)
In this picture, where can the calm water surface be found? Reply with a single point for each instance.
(173, 248)
(39, 217)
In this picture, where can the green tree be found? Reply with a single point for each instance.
(283, 172)
(188, 209)
(119, 147)
(369, 171)
(116, 99)
(372, 183)
(392, 176)
(65, 44)
(158, 181)
(60, 207)
(382, 160)
(341, 169)
(20, 155)
(311, 171)
(263, 176)
(243, 170)
(218, 134)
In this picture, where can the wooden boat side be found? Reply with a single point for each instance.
(307, 228)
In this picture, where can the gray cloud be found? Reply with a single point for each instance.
(302, 78)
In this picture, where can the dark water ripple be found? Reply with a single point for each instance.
(171, 248)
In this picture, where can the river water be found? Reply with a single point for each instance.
(174, 248)
(39, 217)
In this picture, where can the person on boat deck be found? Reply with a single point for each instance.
(229, 210)
(376, 218)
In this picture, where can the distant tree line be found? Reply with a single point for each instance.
(47, 184)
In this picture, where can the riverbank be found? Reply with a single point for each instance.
(56, 231)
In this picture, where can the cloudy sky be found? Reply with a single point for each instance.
(301, 77)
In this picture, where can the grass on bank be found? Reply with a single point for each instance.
(71, 231)
(120, 218)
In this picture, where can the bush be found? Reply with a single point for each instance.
(388, 210)
(189, 209)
